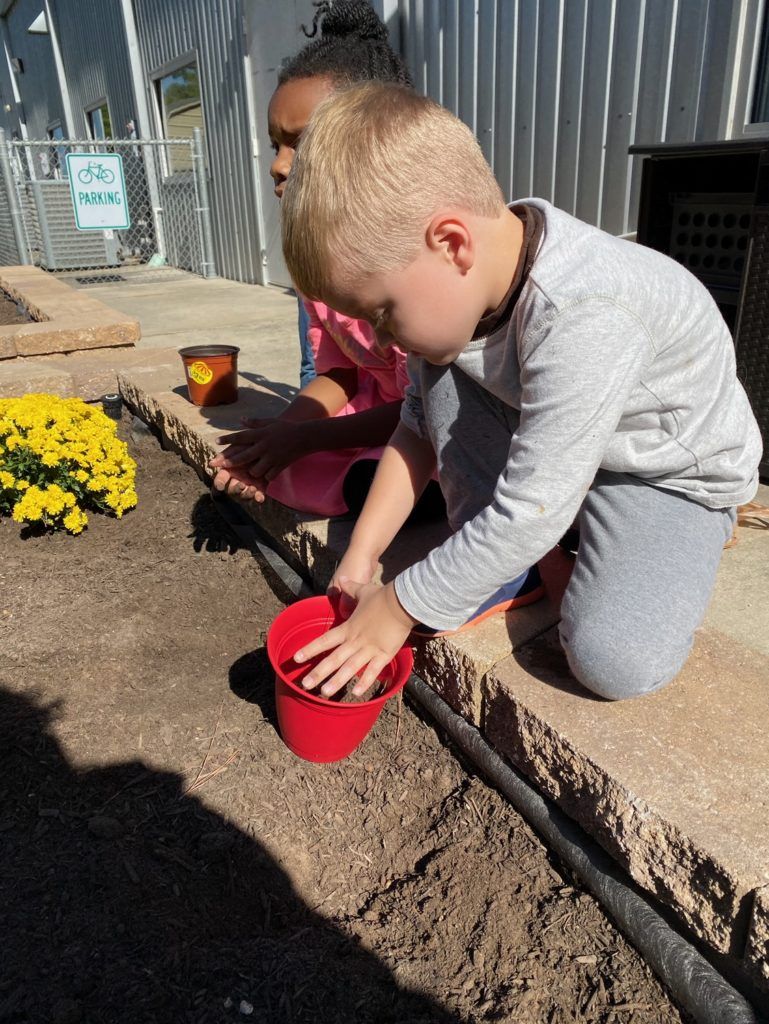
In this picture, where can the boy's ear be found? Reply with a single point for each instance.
(450, 235)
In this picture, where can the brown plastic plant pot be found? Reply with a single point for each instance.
(212, 373)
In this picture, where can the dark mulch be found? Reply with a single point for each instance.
(11, 313)
(166, 859)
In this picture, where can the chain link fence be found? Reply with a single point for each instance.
(165, 193)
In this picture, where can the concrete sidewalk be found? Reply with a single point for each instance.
(174, 309)
(674, 785)
(178, 309)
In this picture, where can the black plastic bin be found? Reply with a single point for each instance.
(707, 206)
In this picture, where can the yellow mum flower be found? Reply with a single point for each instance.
(49, 444)
(29, 509)
(53, 501)
(75, 520)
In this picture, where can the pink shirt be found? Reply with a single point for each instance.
(314, 483)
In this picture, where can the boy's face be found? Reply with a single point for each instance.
(427, 308)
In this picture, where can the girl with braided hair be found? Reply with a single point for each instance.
(353, 47)
(370, 57)
(320, 454)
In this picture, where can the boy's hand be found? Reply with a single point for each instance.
(362, 645)
(265, 447)
(354, 571)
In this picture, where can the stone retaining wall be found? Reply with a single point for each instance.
(66, 320)
(74, 346)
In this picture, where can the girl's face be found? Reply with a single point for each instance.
(291, 107)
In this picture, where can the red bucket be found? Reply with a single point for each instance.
(312, 727)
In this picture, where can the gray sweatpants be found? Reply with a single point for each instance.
(647, 558)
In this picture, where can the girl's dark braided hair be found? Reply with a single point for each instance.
(353, 47)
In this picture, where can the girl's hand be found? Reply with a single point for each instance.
(239, 483)
(265, 447)
(362, 645)
(242, 438)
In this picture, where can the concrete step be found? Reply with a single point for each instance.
(65, 320)
(674, 785)
(88, 375)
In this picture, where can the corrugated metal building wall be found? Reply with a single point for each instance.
(92, 40)
(38, 83)
(273, 36)
(7, 117)
(212, 33)
(91, 35)
(557, 90)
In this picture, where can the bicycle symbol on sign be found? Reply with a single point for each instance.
(95, 172)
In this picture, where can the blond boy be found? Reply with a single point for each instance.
(559, 373)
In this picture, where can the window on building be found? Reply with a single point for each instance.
(99, 124)
(760, 112)
(181, 109)
(56, 154)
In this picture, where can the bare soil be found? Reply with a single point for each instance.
(10, 313)
(166, 859)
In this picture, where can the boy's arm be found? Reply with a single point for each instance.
(363, 645)
(378, 627)
(404, 470)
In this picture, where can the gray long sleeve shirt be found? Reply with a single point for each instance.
(617, 358)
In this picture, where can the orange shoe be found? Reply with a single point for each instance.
(524, 589)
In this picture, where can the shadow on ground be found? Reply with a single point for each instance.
(125, 900)
(279, 388)
(251, 404)
(252, 680)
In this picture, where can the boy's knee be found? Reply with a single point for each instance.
(617, 671)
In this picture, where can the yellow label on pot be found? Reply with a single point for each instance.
(200, 372)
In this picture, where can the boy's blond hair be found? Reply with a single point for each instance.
(376, 162)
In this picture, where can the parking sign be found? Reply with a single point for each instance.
(97, 186)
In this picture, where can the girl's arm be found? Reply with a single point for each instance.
(367, 429)
(310, 424)
(324, 396)
(337, 366)
(256, 454)
(296, 434)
